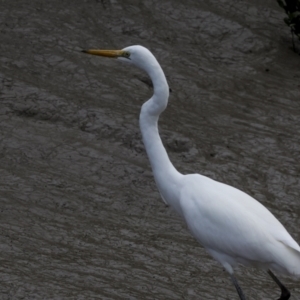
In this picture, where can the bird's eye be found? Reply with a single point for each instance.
(126, 54)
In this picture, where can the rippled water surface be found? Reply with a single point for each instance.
(80, 216)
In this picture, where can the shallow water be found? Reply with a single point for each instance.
(80, 214)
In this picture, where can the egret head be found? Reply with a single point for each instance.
(136, 55)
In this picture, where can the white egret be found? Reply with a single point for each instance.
(233, 227)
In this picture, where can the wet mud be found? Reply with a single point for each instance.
(80, 216)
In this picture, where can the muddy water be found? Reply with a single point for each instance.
(80, 216)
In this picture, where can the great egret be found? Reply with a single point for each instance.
(233, 227)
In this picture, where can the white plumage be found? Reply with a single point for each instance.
(232, 226)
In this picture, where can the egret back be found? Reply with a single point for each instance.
(235, 228)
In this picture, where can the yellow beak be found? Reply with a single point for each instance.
(107, 53)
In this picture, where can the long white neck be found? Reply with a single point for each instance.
(166, 176)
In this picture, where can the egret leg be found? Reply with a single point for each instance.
(285, 294)
(238, 288)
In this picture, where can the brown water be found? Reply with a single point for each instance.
(80, 215)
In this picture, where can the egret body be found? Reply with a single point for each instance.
(233, 227)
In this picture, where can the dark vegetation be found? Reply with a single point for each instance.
(292, 9)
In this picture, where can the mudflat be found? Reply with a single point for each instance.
(80, 216)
